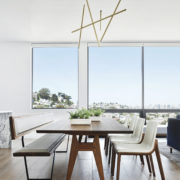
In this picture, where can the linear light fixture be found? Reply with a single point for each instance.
(97, 21)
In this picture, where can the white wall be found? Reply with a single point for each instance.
(15, 76)
(15, 20)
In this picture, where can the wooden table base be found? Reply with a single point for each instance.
(78, 146)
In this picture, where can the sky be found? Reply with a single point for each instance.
(114, 74)
(56, 69)
(162, 75)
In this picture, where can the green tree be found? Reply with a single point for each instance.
(59, 94)
(44, 93)
(63, 95)
(38, 97)
(68, 100)
(54, 98)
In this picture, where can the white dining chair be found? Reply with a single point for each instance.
(132, 124)
(134, 138)
(146, 148)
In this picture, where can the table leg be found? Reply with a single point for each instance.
(78, 146)
(97, 156)
(72, 158)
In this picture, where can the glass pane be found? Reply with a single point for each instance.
(55, 77)
(162, 118)
(115, 77)
(122, 118)
(162, 83)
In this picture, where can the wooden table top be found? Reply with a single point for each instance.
(104, 127)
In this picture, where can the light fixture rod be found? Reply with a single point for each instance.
(81, 26)
(110, 20)
(98, 20)
(92, 23)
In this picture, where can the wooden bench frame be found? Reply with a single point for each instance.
(14, 136)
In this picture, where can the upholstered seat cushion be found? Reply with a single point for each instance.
(132, 148)
(126, 140)
(119, 135)
(43, 146)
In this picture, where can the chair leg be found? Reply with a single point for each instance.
(110, 148)
(171, 150)
(113, 161)
(142, 159)
(152, 165)
(86, 139)
(105, 142)
(107, 146)
(118, 166)
(80, 138)
(148, 163)
(159, 161)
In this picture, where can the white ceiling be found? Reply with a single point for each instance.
(53, 20)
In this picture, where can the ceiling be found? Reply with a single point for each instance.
(53, 20)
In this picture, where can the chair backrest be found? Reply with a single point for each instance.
(132, 122)
(150, 134)
(138, 129)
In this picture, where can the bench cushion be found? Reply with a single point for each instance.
(43, 146)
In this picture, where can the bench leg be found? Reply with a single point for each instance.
(66, 147)
(26, 166)
(27, 173)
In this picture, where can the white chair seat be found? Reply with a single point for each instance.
(119, 135)
(132, 148)
(125, 140)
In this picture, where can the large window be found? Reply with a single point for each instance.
(115, 77)
(162, 73)
(55, 77)
(120, 79)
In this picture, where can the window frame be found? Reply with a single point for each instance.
(119, 45)
(83, 63)
(143, 110)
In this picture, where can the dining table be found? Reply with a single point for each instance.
(95, 129)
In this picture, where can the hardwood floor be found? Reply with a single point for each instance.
(12, 168)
